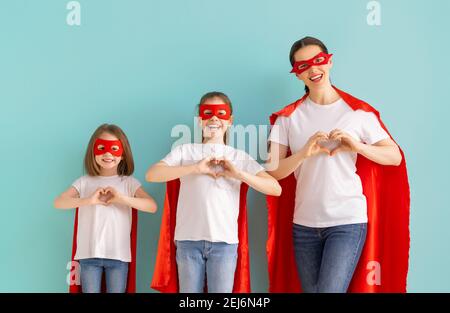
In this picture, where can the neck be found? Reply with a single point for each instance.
(108, 171)
(324, 95)
(218, 140)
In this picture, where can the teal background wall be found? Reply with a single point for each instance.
(144, 65)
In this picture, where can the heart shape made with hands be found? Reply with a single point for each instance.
(216, 166)
(105, 196)
(329, 144)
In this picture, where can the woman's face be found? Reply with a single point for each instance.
(107, 160)
(317, 76)
(215, 126)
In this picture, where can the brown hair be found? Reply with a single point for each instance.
(306, 41)
(223, 97)
(126, 165)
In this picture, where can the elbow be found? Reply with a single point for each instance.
(153, 208)
(276, 189)
(149, 176)
(56, 204)
(398, 158)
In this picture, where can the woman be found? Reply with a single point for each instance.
(334, 144)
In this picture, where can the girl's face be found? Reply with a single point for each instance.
(315, 77)
(107, 160)
(215, 127)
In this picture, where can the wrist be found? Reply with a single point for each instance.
(193, 169)
(360, 147)
(240, 174)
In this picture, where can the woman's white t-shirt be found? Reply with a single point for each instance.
(104, 231)
(208, 207)
(328, 192)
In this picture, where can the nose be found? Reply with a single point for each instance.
(214, 118)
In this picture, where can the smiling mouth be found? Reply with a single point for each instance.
(108, 160)
(213, 127)
(316, 78)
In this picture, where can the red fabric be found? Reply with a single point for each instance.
(388, 202)
(131, 283)
(165, 276)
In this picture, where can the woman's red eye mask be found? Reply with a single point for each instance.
(222, 111)
(319, 59)
(101, 146)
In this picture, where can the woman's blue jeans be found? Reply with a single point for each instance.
(327, 257)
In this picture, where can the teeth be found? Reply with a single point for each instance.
(213, 126)
(317, 77)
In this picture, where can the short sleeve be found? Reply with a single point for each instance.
(78, 185)
(133, 186)
(279, 131)
(372, 132)
(174, 157)
(251, 166)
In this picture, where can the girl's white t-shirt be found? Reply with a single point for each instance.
(208, 207)
(104, 231)
(328, 191)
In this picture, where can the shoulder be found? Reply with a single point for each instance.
(239, 155)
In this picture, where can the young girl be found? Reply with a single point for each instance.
(209, 225)
(105, 224)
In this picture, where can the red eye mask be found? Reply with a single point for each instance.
(320, 59)
(222, 111)
(102, 146)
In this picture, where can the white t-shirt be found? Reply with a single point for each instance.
(208, 208)
(328, 192)
(104, 231)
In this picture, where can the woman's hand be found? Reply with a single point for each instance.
(347, 142)
(312, 146)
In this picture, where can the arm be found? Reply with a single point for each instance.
(261, 182)
(141, 201)
(162, 172)
(280, 166)
(384, 152)
(70, 199)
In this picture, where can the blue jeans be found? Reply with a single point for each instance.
(216, 260)
(327, 257)
(116, 273)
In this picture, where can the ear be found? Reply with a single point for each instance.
(231, 119)
(330, 62)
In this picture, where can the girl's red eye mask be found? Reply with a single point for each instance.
(101, 146)
(222, 111)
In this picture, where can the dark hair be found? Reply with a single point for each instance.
(126, 165)
(306, 41)
(216, 94)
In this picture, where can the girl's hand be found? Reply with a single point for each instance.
(229, 170)
(347, 142)
(312, 147)
(98, 197)
(205, 167)
(113, 196)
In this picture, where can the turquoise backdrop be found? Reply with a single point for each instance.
(144, 65)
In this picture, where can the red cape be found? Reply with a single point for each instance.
(165, 276)
(387, 192)
(131, 283)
